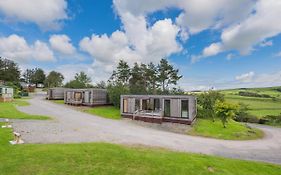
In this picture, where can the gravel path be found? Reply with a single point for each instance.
(71, 126)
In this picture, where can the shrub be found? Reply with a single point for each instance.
(225, 111)
(278, 89)
(114, 92)
(253, 94)
(274, 119)
(206, 102)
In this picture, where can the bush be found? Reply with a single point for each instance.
(206, 103)
(278, 89)
(225, 111)
(253, 94)
(114, 92)
(247, 118)
(274, 119)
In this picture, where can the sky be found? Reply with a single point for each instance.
(219, 43)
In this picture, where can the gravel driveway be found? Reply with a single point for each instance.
(71, 126)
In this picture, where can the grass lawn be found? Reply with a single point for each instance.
(21, 102)
(58, 101)
(9, 110)
(233, 131)
(102, 158)
(110, 112)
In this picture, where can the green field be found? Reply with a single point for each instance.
(9, 110)
(110, 112)
(259, 107)
(103, 158)
(233, 131)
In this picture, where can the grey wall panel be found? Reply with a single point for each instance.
(175, 107)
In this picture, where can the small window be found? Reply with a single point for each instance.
(184, 109)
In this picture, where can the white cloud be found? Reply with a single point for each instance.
(46, 14)
(278, 54)
(230, 56)
(110, 49)
(62, 44)
(247, 77)
(138, 43)
(95, 72)
(259, 80)
(255, 29)
(216, 12)
(266, 43)
(41, 52)
(16, 48)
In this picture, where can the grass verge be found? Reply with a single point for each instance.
(102, 158)
(233, 131)
(58, 101)
(9, 110)
(110, 112)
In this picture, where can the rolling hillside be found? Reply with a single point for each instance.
(261, 101)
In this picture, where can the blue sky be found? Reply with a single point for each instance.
(211, 44)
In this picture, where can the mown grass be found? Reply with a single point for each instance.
(9, 110)
(58, 101)
(103, 158)
(21, 102)
(233, 131)
(110, 112)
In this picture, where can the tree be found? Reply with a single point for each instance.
(207, 101)
(54, 79)
(75, 84)
(28, 75)
(81, 80)
(122, 74)
(9, 71)
(167, 75)
(101, 85)
(115, 91)
(225, 111)
(38, 76)
(151, 74)
(137, 81)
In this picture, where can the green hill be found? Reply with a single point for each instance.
(261, 101)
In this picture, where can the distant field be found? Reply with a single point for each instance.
(257, 106)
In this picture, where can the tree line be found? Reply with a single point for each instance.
(139, 79)
(143, 79)
(11, 74)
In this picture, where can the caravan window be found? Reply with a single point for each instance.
(184, 108)
(167, 108)
(137, 104)
(125, 105)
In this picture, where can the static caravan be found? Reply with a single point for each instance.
(87, 97)
(6, 94)
(55, 93)
(159, 108)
